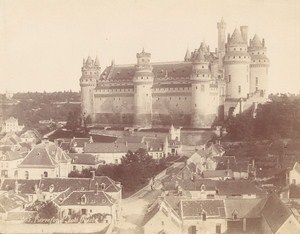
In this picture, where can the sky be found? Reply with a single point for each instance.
(43, 42)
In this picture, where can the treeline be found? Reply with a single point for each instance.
(134, 172)
(44, 97)
(279, 118)
(33, 107)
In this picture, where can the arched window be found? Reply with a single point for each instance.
(45, 174)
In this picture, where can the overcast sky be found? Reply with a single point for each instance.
(43, 42)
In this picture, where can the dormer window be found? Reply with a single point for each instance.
(102, 186)
(83, 199)
(203, 214)
(234, 215)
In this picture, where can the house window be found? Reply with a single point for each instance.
(69, 211)
(193, 229)
(83, 211)
(218, 228)
(26, 175)
(45, 174)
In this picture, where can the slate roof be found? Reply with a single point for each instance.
(79, 142)
(193, 208)
(245, 208)
(86, 159)
(92, 199)
(189, 185)
(217, 173)
(24, 186)
(275, 213)
(256, 42)
(45, 155)
(11, 202)
(160, 70)
(237, 187)
(236, 37)
(112, 147)
(10, 156)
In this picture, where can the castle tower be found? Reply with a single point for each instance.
(200, 78)
(91, 71)
(259, 66)
(143, 82)
(221, 42)
(236, 66)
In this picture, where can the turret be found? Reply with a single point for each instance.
(236, 66)
(221, 42)
(200, 78)
(187, 56)
(259, 66)
(143, 82)
(91, 71)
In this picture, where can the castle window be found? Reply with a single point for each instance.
(147, 94)
(239, 56)
(170, 98)
(239, 89)
(229, 78)
(196, 87)
(202, 88)
(203, 75)
(258, 60)
(256, 81)
(195, 105)
(185, 98)
(142, 78)
(234, 57)
(257, 52)
(240, 48)
(202, 66)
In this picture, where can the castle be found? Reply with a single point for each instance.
(195, 92)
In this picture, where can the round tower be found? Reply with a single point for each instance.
(200, 79)
(259, 66)
(237, 66)
(221, 42)
(91, 71)
(143, 82)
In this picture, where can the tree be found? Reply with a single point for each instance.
(74, 120)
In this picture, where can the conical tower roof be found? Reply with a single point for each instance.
(187, 55)
(200, 56)
(97, 62)
(256, 42)
(236, 37)
(89, 61)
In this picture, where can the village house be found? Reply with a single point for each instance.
(10, 203)
(9, 162)
(223, 215)
(31, 136)
(81, 161)
(294, 174)
(11, 125)
(77, 144)
(44, 160)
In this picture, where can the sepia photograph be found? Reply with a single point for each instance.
(149, 117)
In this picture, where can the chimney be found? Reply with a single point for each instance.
(93, 175)
(91, 139)
(97, 188)
(16, 187)
(244, 31)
